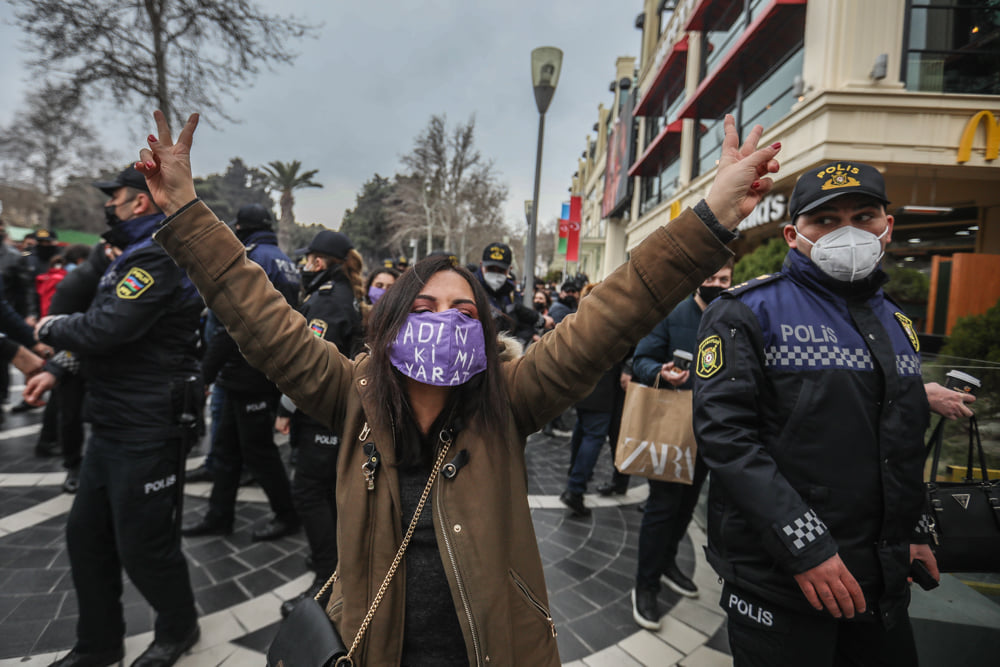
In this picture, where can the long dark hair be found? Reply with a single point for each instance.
(483, 401)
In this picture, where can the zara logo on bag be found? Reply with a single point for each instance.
(660, 454)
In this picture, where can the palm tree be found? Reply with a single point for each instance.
(285, 178)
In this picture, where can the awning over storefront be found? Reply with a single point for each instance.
(663, 148)
(671, 68)
(768, 37)
(708, 12)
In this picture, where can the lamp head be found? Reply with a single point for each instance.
(546, 62)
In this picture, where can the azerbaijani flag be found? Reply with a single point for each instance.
(573, 237)
(563, 229)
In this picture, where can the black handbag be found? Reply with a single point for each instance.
(965, 516)
(306, 638)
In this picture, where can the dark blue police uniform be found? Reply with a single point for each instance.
(810, 410)
(137, 345)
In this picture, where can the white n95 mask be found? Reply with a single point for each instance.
(847, 254)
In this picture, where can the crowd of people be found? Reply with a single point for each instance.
(408, 393)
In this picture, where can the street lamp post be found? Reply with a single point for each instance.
(546, 61)
(528, 268)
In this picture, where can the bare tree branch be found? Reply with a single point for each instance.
(179, 54)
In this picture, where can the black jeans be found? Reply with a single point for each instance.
(123, 516)
(245, 436)
(314, 490)
(664, 523)
(762, 634)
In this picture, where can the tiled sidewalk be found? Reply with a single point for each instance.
(589, 564)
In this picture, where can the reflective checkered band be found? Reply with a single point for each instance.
(818, 356)
(907, 364)
(924, 525)
(803, 531)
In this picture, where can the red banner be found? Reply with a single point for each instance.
(573, 243)
(573, 238)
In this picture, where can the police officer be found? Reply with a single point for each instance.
(137, 344)
(331, 280)
(245, 434)
(509, 313)
(809, 411)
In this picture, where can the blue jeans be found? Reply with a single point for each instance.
(589, 435)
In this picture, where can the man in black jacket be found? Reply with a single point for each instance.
(810, 411)
(137, 348)
(245, 434)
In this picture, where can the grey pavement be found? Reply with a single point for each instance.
(239, 585)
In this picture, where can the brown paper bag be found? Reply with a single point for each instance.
(656, 439)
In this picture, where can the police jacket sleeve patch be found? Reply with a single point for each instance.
(802, 531)
(135, 282)
(318, 327)
(710, 359)
(911, 333)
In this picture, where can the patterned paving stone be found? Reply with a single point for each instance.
(589, 563)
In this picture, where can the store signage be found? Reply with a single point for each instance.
(771, 209)
(992, 151)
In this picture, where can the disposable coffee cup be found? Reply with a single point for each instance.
(962, 382)
(682, 360)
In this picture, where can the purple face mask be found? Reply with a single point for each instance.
(443, 349)
(375, 293)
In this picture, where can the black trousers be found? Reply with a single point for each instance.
(762, 634)
(665, 520)
(123, 517)
(314, 490)
(69, 396)
(245, 436)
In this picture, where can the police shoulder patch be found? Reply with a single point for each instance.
(318, 327)
(135, 282)
(911, 333)
(710, 359)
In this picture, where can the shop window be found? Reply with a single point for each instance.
(722, 37)
(773, 97)
(660, 188)
(953, 46)
(709, 143)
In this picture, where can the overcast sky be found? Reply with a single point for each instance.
(357, 96)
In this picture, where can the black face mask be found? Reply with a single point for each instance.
(568, 301)
(709, 294)
(111, 217)
(45, 252)
(309, 276)
(540, 307)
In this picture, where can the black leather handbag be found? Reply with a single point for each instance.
(306, 638)
(965, 516)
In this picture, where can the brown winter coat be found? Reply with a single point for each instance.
(481, 515)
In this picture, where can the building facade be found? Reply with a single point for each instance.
(910, 86)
